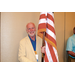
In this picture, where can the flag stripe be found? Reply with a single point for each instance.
(51, 39)
(45, 13)
(56, 54)
(51, 43)
(50, 16)
(46, 59)
(48, 53)
(49, 32)
(42, 26)
(51, 13)
(42, 21)
(43, 16)
(50, 22)
(51, 28)
(52, 53)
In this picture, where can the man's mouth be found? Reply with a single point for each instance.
(31, 32)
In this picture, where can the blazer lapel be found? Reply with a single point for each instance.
(37, 48)
(36, 44)
(30, 46)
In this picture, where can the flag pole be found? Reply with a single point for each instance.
(43, 44)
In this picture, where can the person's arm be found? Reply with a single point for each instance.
(71, 53)
(22, 54)
(69, 47)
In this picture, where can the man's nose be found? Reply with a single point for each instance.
(31, 29)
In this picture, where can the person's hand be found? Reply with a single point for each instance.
(43, 49)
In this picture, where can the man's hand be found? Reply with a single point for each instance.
(43, 49)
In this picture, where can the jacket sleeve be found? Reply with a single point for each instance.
(22, 53)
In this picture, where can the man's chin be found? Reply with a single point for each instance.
(31, 34)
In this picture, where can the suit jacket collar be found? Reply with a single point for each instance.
(31, 47)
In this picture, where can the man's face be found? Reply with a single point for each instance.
(31, 30)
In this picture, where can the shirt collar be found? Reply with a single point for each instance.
(31, 39)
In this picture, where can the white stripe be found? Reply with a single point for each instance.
(49, 32)
(42, 21)
(56, 54)
(50, 22)
(48, 53)
(51, 14)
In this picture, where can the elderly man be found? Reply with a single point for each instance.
(71, 47)
(30, 46)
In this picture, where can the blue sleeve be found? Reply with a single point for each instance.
(69, 45)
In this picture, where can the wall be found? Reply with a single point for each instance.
(13, 30)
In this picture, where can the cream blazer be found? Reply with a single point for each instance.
(26, 51)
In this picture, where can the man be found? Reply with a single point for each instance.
(71, 47)
(30, 47)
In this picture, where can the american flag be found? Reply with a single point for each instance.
(46, 24)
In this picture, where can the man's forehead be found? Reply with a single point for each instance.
(30, 25)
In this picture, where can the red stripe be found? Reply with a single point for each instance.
(46, 59)
(43, 16)
(42, 26)
(50, 17)
(51, 38)
(51, 28)
(52, 53)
